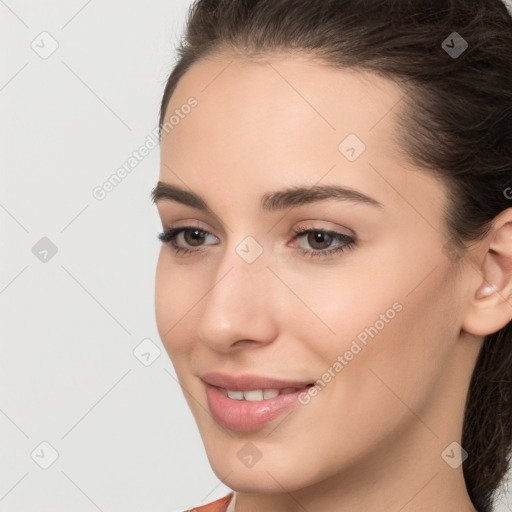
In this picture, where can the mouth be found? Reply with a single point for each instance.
(257, 395)
(251, 409)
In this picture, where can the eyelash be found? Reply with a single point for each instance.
(169, 237)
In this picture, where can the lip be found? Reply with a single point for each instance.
(243, 414)
(249, 382)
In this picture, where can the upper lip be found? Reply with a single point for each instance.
(249, 382)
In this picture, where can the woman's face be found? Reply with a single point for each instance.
(371, 315)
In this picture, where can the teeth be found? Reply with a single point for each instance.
(256, 395)
(270, 393)
(236, 395)
(253, 396)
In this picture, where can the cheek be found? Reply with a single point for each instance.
(162, 286)
(396, 369)
(331, 307)
(173, 300)
(394, 324)
(405, 350)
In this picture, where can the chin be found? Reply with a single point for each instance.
(268, 475)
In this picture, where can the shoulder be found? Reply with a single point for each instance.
(220, 505)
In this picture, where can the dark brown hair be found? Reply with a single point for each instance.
(456, 123)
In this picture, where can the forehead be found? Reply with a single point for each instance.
(288, 91)
(259, 125)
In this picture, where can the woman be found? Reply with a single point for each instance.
(334, 287)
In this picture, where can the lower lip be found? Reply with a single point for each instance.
(247, 415)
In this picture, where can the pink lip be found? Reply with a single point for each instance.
(248, 382)
(244, 414)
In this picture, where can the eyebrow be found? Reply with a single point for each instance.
(272, 201)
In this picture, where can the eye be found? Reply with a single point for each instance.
(321, 241)
(193, 236)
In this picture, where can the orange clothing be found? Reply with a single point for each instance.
(225, 504)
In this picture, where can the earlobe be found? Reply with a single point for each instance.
(485, 291)
(490, 309)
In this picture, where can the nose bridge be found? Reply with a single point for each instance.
(238, 305)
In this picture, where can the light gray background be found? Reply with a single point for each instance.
(125, 438)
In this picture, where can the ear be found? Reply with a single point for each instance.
(490, 306)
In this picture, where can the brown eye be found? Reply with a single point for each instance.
(320, 243)
(319, 239)
(194, 237)
(186, 240)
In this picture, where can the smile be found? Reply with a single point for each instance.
(256, 395)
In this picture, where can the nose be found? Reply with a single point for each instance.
(238, 310)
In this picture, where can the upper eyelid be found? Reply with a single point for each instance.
(295, 231)
(342, 238)
(223, 228)
(298, 233)
(164, 213)
(301, 223)
(193, 223)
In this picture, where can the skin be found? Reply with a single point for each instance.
(372, 439)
